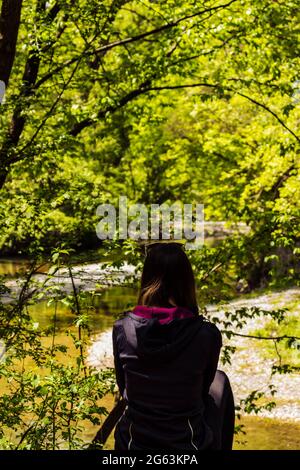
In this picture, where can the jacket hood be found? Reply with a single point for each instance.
(162, 314)
(161, 333)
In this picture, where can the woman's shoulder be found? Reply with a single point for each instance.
(211, 330)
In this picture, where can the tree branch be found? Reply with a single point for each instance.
(129, 40)
(268, 338)
(261, 105)
(108, 425)
(252, 100)
(47, 115)
(77, 128)
(145, 89)
(280, 181)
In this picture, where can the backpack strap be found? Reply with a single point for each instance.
(129, 330)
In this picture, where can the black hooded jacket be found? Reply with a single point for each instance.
(164, 372)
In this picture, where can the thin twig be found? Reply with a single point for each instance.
(271, 338)
(79, 326)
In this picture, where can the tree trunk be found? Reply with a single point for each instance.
(9, 27)
(3, 175)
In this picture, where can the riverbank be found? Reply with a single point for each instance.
(86, 277)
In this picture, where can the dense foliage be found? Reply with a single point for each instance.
(160, 101)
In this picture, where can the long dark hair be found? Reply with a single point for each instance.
(167, 275)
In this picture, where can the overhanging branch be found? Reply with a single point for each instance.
(122, 42)
(146, 88)
(232, 90)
